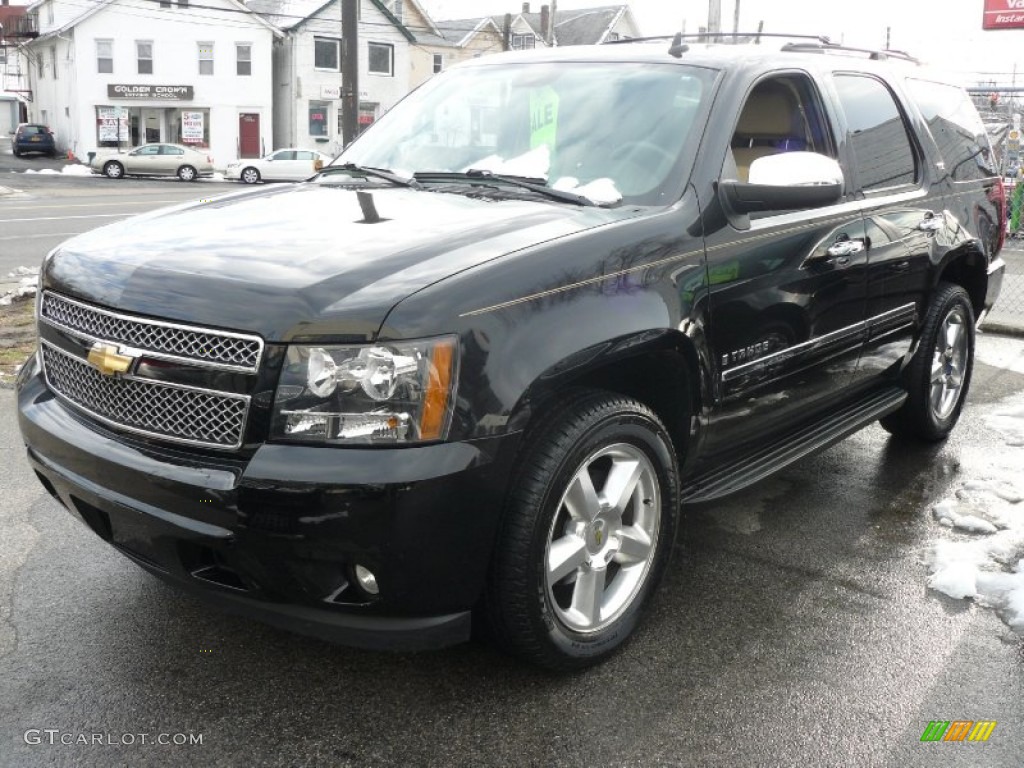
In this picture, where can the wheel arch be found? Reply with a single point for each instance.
(661, 369)
(967, 267)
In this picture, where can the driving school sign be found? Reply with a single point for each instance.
(157, 92)
(1003, 14)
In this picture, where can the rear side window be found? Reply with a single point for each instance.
(956, 128)
(883, 153)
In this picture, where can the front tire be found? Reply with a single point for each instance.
(113, 170)
(939, 374)
(587, 532)
(250, 175)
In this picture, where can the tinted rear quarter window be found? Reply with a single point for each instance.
(883, 153)
(956, 127)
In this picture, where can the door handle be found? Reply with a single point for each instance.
(932, 222)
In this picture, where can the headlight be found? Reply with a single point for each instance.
(392, 392)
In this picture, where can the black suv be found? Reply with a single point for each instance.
(481, 361)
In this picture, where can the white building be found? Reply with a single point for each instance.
(308, 62)
(126, 72)
(15, 27)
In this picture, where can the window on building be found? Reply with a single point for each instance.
(105, 56)
(523, 42)
(382, 59)
(613, 37)
(183, 3)
(49, 13)
(243, 59)
(205, 58)
(318, 112)
(327, 54)
(884, 156)
(144, 56)
(53, 60)
(438, 62)
(396, 8)
(165, 3)
(41, 66)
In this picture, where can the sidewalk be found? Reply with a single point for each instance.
(1008, 323)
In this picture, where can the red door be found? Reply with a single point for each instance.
(248, 135)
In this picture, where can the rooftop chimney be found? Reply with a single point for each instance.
(545, 23)
(526, 7)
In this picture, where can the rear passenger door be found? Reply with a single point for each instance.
(903, 211)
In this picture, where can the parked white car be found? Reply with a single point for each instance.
(178, 160)
(279, 165)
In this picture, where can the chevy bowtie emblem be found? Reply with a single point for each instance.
(107, 360)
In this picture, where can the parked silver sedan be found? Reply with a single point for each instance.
(279, 165)
(184, 162)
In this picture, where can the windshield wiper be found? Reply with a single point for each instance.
(377, 173)
(534, 185)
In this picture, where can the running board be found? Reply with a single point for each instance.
(793, 446)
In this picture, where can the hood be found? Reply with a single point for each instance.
(301, 261)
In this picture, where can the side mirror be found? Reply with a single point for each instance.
(784, 182)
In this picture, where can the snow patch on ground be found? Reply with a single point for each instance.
(27, 282)
(987, 567)
(67, 170)
(1008, 421)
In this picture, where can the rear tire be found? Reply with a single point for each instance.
(113, 169)
(939, 374)
(187, 173)
(588, 529)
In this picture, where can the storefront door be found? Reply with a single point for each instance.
(152, 123)
(248, 135)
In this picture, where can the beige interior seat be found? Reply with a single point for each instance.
(770, 119)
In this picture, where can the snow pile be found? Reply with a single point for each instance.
(67, 170)
(26, 287)
(989, 567)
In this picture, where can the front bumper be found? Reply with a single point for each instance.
(276, 536)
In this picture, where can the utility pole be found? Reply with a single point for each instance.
(736, 22)
(551, 23)
(349, 70)
(714, 17)
(506, 33)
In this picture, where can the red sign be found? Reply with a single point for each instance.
(1003, 14)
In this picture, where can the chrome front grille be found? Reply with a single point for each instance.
(156, 409)
(168, 341)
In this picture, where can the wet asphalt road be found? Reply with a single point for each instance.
(794, 628)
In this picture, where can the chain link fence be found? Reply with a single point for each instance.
(1010, 307)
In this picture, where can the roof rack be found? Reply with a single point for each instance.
(701, 36)
(828, 47)
(813, 44)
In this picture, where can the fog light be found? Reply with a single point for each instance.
(367, 580)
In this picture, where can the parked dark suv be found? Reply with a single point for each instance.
(32, 137)
(480, 361)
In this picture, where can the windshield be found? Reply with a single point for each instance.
(608, 132)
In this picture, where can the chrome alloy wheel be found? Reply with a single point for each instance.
(949, 365)
(603, 538)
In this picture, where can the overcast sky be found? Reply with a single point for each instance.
(947, 33)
